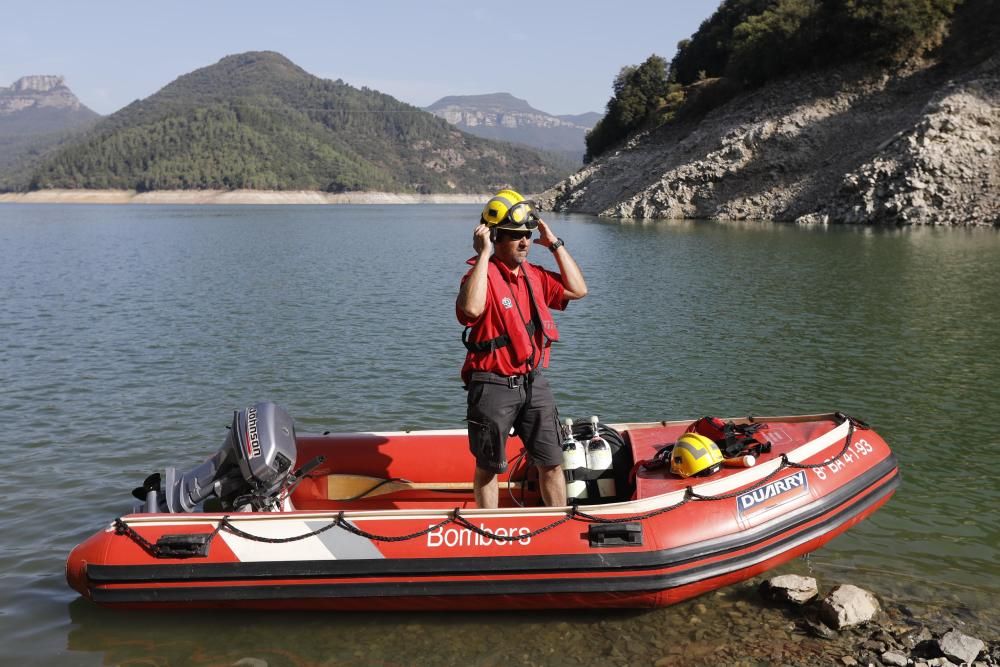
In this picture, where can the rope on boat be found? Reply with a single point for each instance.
(351, 528)
(574, 514)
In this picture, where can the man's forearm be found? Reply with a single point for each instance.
(572, 278)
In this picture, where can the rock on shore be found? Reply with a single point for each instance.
(920, 146)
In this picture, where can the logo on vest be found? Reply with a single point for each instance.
(507, 303)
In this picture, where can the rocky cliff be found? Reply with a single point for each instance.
(507, 118)
(38, 92)
(920, 145)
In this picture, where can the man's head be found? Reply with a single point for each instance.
(511, 219)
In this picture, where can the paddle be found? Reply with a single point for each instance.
(352, 487)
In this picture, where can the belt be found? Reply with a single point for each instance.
(511, 381)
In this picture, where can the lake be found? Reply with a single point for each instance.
(129, 334)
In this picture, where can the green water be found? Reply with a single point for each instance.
(129, 334)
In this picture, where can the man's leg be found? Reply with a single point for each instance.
(539, 430)
(553, 485)
(491, 411)
(484, 484)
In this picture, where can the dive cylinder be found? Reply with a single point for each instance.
(574, 458)
(599, 460)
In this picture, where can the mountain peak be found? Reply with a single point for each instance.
(505, 117)
(257, 59)
(39, 91)
(37, 83)
(491, 101)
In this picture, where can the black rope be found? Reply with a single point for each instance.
(230, 528)
(122, 528)
(843, 450)
(590, 518)
(385, 538)
(462, 521)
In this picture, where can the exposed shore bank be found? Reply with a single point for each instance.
(244, 197)
(847, 145)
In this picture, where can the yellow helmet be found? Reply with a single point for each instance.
(694, 454)
(507, 209)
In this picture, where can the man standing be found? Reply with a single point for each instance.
(504, 302)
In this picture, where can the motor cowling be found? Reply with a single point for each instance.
(264, 437)
(247, 473)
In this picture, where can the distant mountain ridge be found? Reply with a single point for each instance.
(256, 120)
(36, 113)
(507, 118)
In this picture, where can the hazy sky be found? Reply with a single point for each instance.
(561, 56)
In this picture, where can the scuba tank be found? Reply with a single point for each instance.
(574, 458)
(599, 461)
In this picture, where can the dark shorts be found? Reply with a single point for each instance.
(495, 407)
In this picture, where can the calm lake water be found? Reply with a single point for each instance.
(129, 334)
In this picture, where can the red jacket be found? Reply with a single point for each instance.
(519, 345)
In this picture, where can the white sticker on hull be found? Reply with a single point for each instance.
(332, 544)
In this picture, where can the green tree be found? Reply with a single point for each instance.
(639, 93)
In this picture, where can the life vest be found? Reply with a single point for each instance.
(733, 439)
(485, 337)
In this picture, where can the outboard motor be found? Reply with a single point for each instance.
(246, 474)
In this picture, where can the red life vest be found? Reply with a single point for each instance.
(485, 337)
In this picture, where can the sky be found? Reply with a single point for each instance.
(560, 56)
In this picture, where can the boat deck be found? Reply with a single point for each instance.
(401, 457)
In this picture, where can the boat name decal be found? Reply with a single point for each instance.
(463, 537)
(776, 493)
(253, 440)
(855, 452)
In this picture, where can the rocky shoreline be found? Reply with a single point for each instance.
(871, 633)
(241, 197)
(789, 620)
(917, 146)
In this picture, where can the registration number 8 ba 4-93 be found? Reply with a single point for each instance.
(859, 449)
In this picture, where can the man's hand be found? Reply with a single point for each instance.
(481, 242)
(545, 235)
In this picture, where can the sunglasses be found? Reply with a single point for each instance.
(516, 236)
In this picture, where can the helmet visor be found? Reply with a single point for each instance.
(520, 216)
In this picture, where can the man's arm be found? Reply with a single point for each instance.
(574, 286)
(471, 300)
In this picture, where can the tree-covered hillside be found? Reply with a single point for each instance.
(256, 120)
(747, 43)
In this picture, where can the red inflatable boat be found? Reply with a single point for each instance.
(387, 521)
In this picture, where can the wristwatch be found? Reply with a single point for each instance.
(558, 243)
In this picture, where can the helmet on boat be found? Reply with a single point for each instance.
(508, 210)
(694, 454)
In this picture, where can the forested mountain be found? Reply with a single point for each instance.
(507, 118)
(256, 120)
(36, 114)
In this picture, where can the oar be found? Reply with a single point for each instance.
(351, 487)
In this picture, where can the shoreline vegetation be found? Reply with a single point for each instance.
(243, 197)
